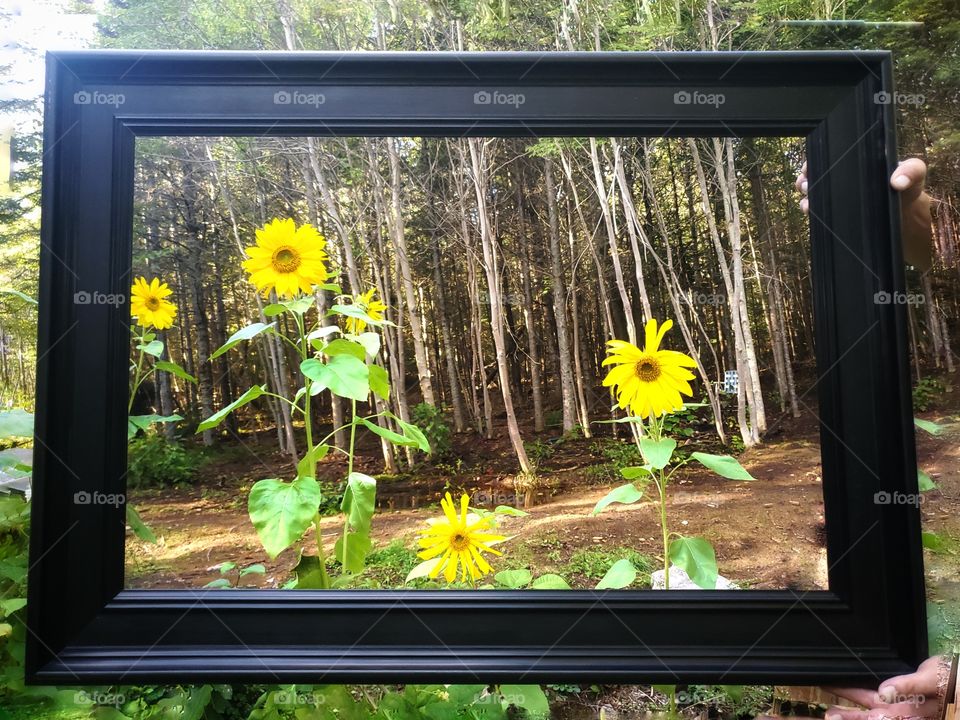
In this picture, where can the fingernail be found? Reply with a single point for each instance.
(901, 182)
(832, 716)
(887, 693)
(803, 186)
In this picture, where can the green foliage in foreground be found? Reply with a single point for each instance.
(154, 461)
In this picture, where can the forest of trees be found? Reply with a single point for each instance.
(506, 263)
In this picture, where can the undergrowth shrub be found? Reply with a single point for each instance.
(429, 418)
(154, 461)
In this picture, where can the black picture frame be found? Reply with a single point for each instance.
(84, 627)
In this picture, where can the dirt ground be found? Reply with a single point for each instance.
(767, 534)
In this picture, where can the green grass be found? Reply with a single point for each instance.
(593, 563)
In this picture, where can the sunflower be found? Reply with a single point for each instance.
(373, 308)
(148, 303)
(649, 381)
(459, 540)
(287, 258)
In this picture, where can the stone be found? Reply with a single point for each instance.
(679, 580)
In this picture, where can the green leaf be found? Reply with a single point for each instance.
(154, 348)
(925, 482)
(636, 471)
(370, 342)
(332, 287)
(11, 460)
(529, 697)
(358, 547)
(657, 453)
(931, 541)
(380, 382)
(723, 465)
(174, 369)
(621, 574)
(9, 607)
(928, 426)
(388, 434)
(343, 375)
(281, 512)
(219, 416)
(256, 569)
(320, 333)
(139, 527)
(308, 573)
(414, 433)
(299, 305)
(356, 312)
(626, 494)
(17, 293)
(219, 583)
(143, 422)
(359, 500)
(507, 510)
(342, 346)
(245, 333)
(16, 423)
(514, 579)
(549, 581)
(696, 557)
(306, 465)
(273, 309)
(423, 569)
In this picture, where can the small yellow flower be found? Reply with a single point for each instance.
(649, 381)
(373, 308)
(459, 540)
(148, 305)
(287, 258)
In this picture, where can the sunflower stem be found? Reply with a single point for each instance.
(136, 381)
(353, 439)
(308, 431)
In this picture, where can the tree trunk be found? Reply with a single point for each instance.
(559, 300)
(479, 165)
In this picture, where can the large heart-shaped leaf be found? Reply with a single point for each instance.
(696, 557)
(657, 453)
(343, 375)
(281, 511)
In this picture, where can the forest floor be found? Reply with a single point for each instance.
(767, 534)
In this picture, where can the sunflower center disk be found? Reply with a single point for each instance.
(285, 260)
(648, 369)
(459, 541)
(152, 303)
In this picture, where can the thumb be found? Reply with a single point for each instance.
(909, 177)
(922, 682)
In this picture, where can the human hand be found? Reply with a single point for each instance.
(917, 695)
(915, 221)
